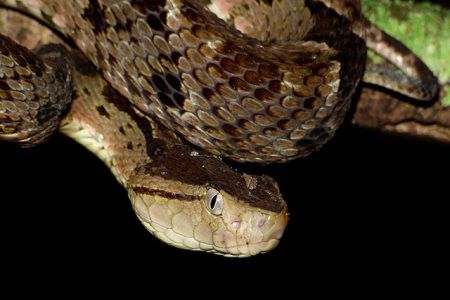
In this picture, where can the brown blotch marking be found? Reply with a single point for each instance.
(179, 99)
(160, 83)
(144, 6)
(95, 15)
(166, 100)
(175, 56)
(343, 39)
(154, 22)
(174, 82)
(122, 104)
(23, 57)
(102, 111)
(87, 91)
(175, 162)
(122, 130)
(84, 68)
(130, 146)
(4, 86)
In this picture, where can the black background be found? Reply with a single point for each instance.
(368, 208)
(367, 201)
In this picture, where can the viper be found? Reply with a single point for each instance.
(254, 81)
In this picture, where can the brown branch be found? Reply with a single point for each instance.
(381, 111)
(420, 25)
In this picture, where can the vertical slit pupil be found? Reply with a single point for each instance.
(213, 202)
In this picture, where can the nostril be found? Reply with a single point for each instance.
(261, 222)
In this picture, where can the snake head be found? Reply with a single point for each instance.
(194, 201)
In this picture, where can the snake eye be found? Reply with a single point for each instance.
(214, 202)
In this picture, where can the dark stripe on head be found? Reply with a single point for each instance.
(165, 194)
(176, 162)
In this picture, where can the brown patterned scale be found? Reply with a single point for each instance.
(184, 196)
(33, 95)
(252, 80)
(232, 94)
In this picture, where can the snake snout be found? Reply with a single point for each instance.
(250, 234)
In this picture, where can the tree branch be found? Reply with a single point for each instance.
(389, 112)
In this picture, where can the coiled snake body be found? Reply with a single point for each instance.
(258, 81)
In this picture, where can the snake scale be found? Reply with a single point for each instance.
(252, 80)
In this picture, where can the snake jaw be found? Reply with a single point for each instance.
(239, 231)
(246, 230)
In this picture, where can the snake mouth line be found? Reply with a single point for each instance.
(238, 249)
(272, 243)
(170, 237)
(164, 194)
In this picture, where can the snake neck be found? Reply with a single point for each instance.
(138, 150)
(168, 182)
(103, 121)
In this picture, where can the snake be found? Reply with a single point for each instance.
(256, 81)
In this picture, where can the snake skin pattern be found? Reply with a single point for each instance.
(272, 97)
(258, 81)
(33, 95)
(253, 80)
(171, 185)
